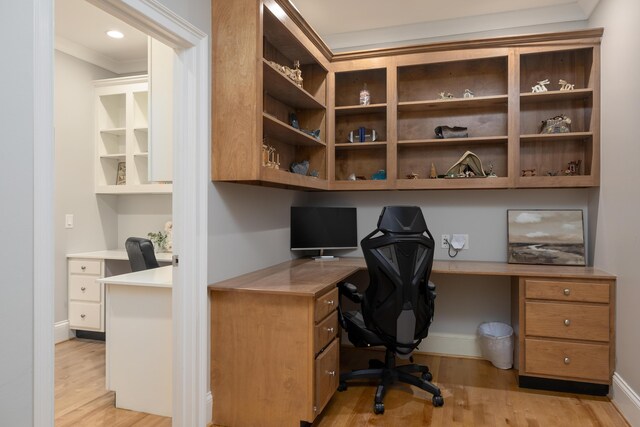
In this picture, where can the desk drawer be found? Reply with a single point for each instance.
(575, 321)
(327, 375)
(567, 291)
(85, 266)
(567, 359)
(325, 331)
(325, 304)
(84, 288)
(85, 315)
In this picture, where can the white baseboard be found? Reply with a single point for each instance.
(451, 345)
(61, 331)
(209, 407)
(626, 400)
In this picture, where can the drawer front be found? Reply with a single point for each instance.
(575, 321)
(325, 331)
(327, 375)
(567, 359)
(567, 291)
(85, 315)
(325, 304)
(85, 266)
(84, 288)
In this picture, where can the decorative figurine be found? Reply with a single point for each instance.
(557, 124)
(445, 132)
(300, 168)
(314, 173)
(380, 175)
(564, 85)
(540, 87)
(270, 158)
(433, 174)
(529, 172)
(295, 74)
(412, 175)
(468, 94)
(365, 96)
(447, 95)
(491, 173)
(362, 134)
(553, 173)
(351, 177)
(573, 168)
(468, 166)
(293, 121)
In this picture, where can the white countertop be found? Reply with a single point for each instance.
(117, 254)
(161, 277)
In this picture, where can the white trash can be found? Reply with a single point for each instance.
(496, 343)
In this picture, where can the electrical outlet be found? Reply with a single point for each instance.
(68, 221)
(460, 241)
(443, 241)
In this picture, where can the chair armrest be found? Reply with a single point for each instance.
(350, 291)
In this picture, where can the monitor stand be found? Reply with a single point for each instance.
(323, 257)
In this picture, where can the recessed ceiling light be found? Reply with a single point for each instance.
(114, 34)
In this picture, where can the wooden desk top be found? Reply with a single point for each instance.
(306, 277)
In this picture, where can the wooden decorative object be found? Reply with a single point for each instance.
(564, 85)
(540, 87)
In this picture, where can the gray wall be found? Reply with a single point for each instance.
(16, 214)
(617, 203)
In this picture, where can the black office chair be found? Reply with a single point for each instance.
(140, 252)
(397, 307)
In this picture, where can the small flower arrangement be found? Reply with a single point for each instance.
(163, 241)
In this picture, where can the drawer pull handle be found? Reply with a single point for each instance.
(567, 322)
(83, 289)
(567, 360)
(330, 330)
(567, 291)
(331, 373)
(83, 316)
(330, 302)
(83, 267)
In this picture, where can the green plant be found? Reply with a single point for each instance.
(159, 239)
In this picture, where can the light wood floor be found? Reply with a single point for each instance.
(80, 395)
(475, 393)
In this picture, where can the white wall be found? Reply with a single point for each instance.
(618, 202)
(16, 214)
(138, 215)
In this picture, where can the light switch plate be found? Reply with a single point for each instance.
(68, 221)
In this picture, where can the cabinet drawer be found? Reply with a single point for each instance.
(567, 291)
(567, 359)
(84, 288)
(85, 266)
(85, 315)
(327, 375)
(325, 332)
(325, 304)
(576, 321)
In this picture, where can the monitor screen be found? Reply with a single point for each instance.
(323, 228)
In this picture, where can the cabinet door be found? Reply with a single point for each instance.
(160, 111)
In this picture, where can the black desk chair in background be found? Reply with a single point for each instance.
(141, 254)
(397, 307)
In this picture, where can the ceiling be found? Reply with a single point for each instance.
(342, 24)
(80, 31)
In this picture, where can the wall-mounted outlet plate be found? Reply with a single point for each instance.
(444, 241)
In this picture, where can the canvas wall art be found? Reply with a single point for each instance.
(554, 237)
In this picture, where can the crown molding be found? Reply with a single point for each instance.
(91, 56)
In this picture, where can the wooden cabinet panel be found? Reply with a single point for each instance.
(85, 266)
(325, 331)
(84, 287)
(325, 304)
(570, 360)
(567, 291)
(573, 321)
(327, 375)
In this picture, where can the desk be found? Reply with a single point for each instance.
(274, 361)
(139, 341)
(86, 295)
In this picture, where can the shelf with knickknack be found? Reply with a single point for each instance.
(559, 86)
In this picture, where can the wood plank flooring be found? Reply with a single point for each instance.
(476, 394)
(80, 395)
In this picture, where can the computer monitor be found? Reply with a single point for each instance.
(322, 228)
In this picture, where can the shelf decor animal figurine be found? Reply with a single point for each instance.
(412, 175)
(564, 85)
(446, 95)
(468, 94)
(540, 87)
(529, 172)
(573, 168)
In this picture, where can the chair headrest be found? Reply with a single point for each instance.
(402, 219)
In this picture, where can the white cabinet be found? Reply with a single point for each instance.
(122, 137)
(86, 295)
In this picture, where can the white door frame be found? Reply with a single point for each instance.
(191, 154)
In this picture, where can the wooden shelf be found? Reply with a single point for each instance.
(280, 87)
(290, 179)
(550, 137)
(360, 145)
(555, 95)
(361, 109)
(114, 131)
(557, 181)
(455, 141)
(452, 183)
(455, 103)
(365, 184)
(287, 134)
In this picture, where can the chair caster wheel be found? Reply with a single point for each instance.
(437, 401)
(342, 386)
(378, 408)
(427, 376)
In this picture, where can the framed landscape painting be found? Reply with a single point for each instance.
(553, 237)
